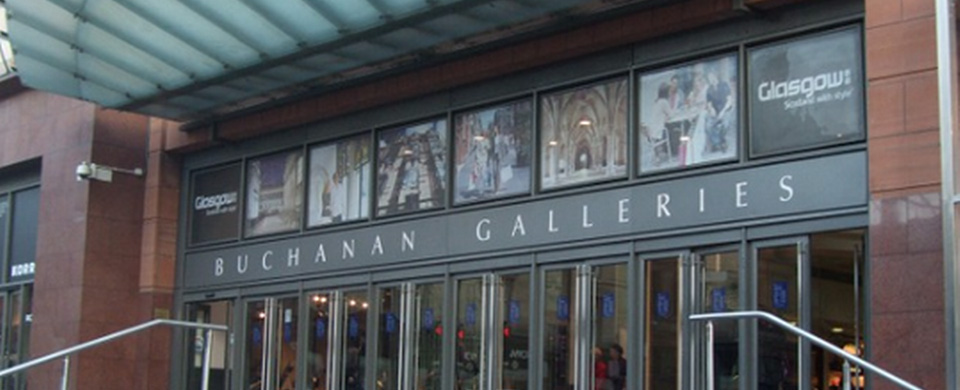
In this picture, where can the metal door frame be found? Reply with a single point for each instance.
(268, 354)
(229, 338)
(802, 245)
(682, 257)
(697, 280)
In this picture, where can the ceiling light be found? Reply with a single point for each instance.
(585, 122)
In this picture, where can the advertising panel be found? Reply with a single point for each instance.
(215, 205)
(412, 168)
(274, 193)
(493, 147)
(23, 234)
(688, 114)
(584, 134)
(340, 181)
(806, 92)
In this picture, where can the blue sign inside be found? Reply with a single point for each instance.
(428, 320)
(609, 307)
(718, 298)
(287, 332)
(257, 335)
(514, 312)
(663, 304)
(353, 327)
(781, 295)
(320, 329)
(391, 323)
(563, 308)
(470, 317)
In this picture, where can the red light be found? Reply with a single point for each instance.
(461, 335)
(438, 330)
(506, 332)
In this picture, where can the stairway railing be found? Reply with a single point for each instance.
(66, 353)
(848, 357)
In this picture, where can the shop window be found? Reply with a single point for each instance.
(23, 213)
(806, 92)
(215, 207)
(689, 115)
(493, 147)
(412, 168)
(274, 193)
(583, 134)
(340, 181)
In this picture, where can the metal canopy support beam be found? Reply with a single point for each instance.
(947, 89)
(307, 52)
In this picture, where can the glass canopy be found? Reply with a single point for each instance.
(190, 59)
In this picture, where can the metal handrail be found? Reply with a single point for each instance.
(739, 315)
(65, 353)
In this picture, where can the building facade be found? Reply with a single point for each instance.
(545, 212)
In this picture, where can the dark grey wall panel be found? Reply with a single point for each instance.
(727, 197)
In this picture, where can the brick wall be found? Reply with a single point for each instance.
(906, 268)
(88, 245)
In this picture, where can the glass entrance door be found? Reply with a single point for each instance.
(609, 323)
(716, 289)
(428, 336)
(220, 313)
(15, 306)
(493, 332)
(585, 327)
(336, 339)
(781, 284)
(271, 344)
(663, 321)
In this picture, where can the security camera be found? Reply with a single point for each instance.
(84, 171)
(104, 173)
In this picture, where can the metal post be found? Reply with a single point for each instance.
(206, 359)
(64, 381)
(846, 375)
(710, 362)
(948, 93)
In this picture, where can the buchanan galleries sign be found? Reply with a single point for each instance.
(821, 184)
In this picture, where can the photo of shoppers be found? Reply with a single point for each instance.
(688, 114)
(274, 193)
(584, 134)
(340, 176)
(493, 148)
(412, 168)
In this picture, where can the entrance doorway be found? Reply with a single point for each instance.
(15, 320)
(213, 312)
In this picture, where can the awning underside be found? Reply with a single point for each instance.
(190, 59)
